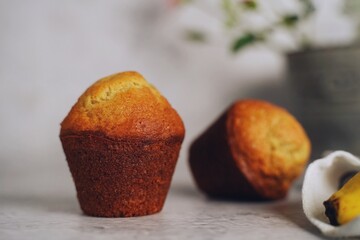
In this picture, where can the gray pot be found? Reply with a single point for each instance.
(326, 84)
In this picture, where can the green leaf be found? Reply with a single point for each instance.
(290, 20)
(230, 13)
(185, 1)
(249, 4)
(309, 7)
(243, 41)
(195, 36)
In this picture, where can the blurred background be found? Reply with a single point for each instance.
(202, 55)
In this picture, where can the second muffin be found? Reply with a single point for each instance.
(253, 151)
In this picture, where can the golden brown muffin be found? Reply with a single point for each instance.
(122, 140)
(253, 151)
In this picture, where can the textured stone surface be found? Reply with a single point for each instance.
(187, 215)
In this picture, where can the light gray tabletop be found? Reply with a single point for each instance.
(53, 213)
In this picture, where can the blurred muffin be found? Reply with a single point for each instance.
(122, 140)
(255, 150)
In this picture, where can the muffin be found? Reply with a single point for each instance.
(254, 151)
(121, 140)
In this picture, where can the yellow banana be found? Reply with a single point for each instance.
(344, 205)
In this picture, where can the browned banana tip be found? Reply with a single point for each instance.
(330, 211)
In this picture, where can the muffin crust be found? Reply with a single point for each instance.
(123, 104)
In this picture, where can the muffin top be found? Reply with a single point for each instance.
(123, 105)
(269, 145)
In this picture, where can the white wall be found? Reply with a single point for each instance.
(51, 51)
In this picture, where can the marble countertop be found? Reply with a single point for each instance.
(186, 214)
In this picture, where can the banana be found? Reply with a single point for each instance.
(344, 205)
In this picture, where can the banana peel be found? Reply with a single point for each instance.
(344, 205)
